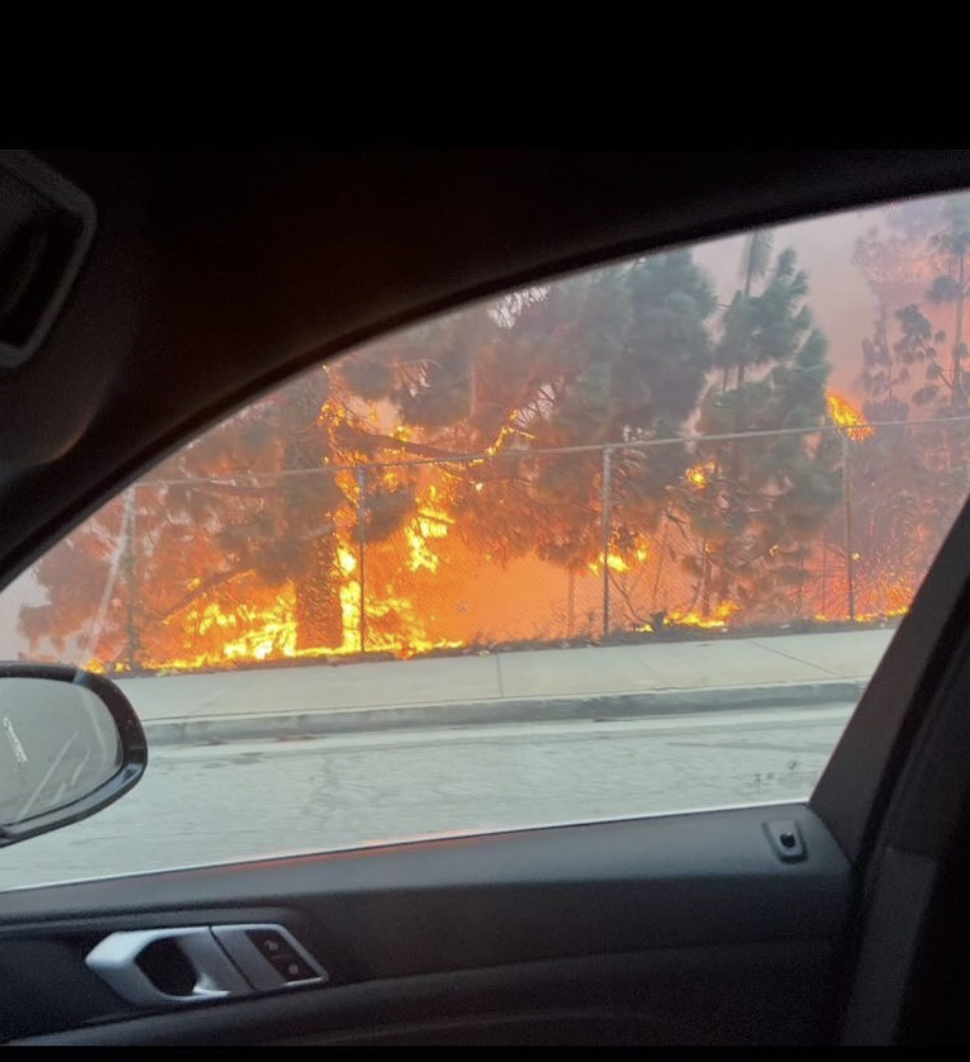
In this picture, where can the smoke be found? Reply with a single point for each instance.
(840, 299)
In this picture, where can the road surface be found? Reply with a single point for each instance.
(209, 804)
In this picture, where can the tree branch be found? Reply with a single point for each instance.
(421, 449)
(205, 587)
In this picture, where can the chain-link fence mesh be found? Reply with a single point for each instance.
(515, 548)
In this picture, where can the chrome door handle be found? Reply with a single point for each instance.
(192, 964)
(206, 971)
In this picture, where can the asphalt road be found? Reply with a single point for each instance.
(210, 804)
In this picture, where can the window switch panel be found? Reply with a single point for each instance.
(269, 956)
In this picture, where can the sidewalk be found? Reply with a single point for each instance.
(613, 682)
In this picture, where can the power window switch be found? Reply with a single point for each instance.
(292, 968)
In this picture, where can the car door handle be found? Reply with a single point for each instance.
(192, 964)
(167, 967)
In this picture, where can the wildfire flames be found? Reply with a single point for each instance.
(717, 622)
(699, 476)
(432, 523)
(264, 627)
(850, 420)
(416, 586)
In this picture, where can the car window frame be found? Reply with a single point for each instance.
(848, 809)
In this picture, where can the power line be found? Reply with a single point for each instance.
(255, 479)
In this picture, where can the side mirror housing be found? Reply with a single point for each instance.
(70, 745)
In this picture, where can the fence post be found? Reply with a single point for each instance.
(825, 564)
(134, 642)
(660, 562)
(607, 529)
(361, 538)
(847, 518)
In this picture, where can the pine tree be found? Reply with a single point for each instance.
(249, 509)
(282, 496)
(613, 355)
(916, 371)
(952, 244)
(758, 503)
(918, 272)
(886, 487)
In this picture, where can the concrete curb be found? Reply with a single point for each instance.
(649, 703)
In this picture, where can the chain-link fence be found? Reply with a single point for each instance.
(752, 530)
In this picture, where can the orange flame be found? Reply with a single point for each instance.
(263, 626)
(699, 475)
(849, 419)
(614, 562)
(258, 623)
(717, 622)
(432, 522)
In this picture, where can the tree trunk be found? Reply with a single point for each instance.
(739, 417)
(706, 576)
(707, 568)
(131, 586)
(319, 616)
(958, 342)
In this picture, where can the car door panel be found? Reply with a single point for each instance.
(746, 994)
(683, 927)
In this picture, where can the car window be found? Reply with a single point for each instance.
(631, 541)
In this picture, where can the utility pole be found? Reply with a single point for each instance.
(606, 512)
(361, 538)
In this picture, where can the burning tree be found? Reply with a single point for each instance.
(251, 542)
(609, 356)
(922, 259)
(885, 482)
(756, 504)
(235, 547)
(909, 479)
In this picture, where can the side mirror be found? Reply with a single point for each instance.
(70, 744)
